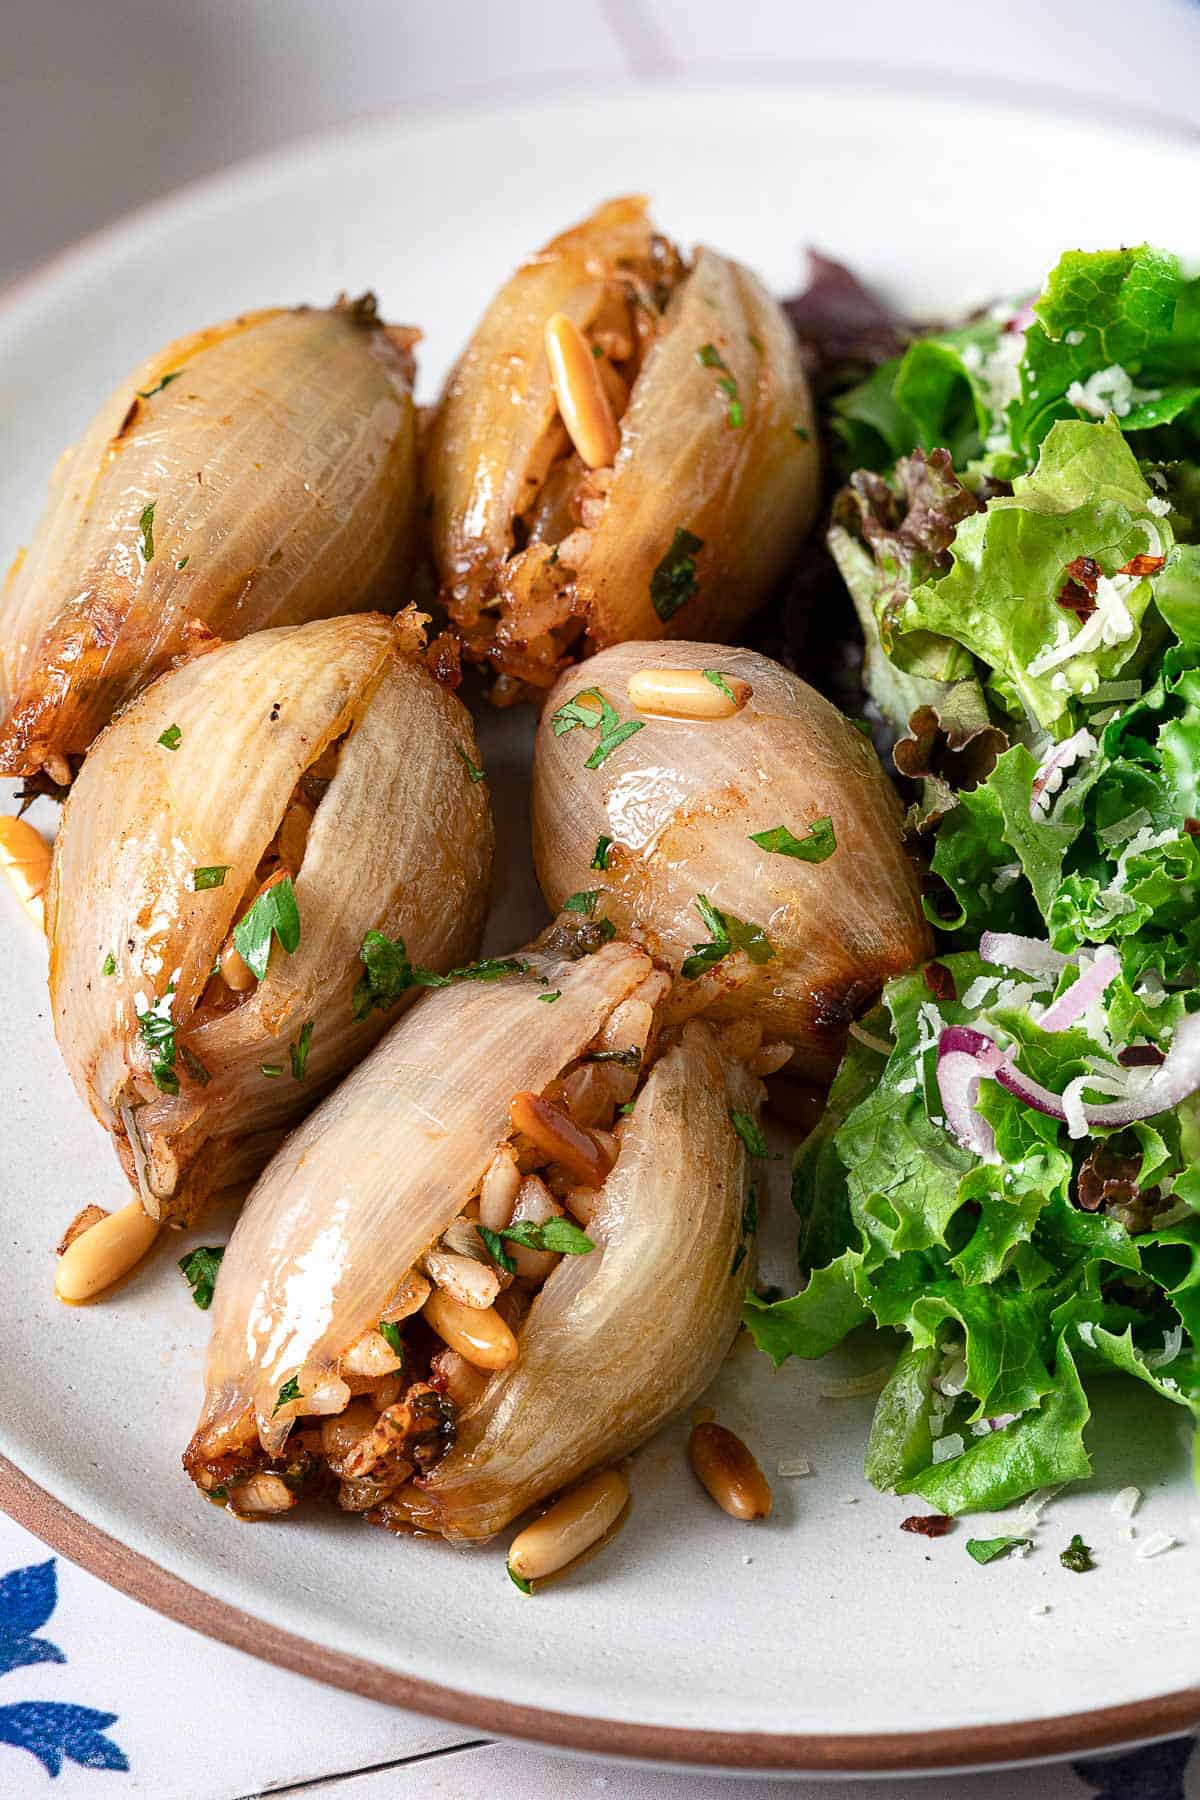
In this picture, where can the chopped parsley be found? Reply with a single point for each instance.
(271, 1070)
(109, 965)
(583, 902)
(750, 1211)
(709, 357)
(298, 1052)
(493, 1243)
(817, 847)
(1077, 1556)
(392, 1336)
(750, 1132)
(519, 1581)
(607, 721)
(200, 1272)
(183, 562)
(561, 1236)
(146, 527)
(739, 1257)
(388, 973)
(624, 1059)
(288, 1392)
(211, 876)
(674, 579)
(600, 854)
(547, 998)
(626, 1108)
(274, 914)
(494, 968)
(728, 934)
(156, 1028)
(194, 1066)
(162, 382)
(720, 683)
(986, 1550)
(474, 772)
(801, 433)
(171, 738)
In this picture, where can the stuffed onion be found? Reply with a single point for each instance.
(506, 1279)
(712, 806)
(269, 850)
(626, 449)
(256, 474)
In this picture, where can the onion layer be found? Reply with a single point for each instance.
(260, 473)
(617, 1341)
(401, 843)
(680, 799)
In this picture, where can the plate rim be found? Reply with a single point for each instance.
(964, 1748)
(120, 1566)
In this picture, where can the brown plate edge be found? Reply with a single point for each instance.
(871, 1753)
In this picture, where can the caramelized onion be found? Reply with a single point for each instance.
(680, 799)
(400, 842)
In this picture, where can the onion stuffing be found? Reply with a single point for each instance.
(625, 449)
(333, 1232)
(759, 855)
(256, 474)
(260, 858)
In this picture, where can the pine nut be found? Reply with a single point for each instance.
(770, 1059)
(340, 1433)
(479, 1334)
(408, 1298)
(57, 768)
(263, 1494)
(582, 401)
(370, 1355)
(292, 837)
(470, 1283)
(498, 1193)
(457, 1378)
(572, 1525)
(535, 1204)
(686, 694)
(103, 1253)
(724, 1466)
(25, 859)
(561, 1140)
(581, 1203)
(331, 1395)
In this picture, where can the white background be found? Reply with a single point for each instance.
(106, 105)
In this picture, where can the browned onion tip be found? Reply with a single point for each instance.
(324, 751)
(259, 473)
(542, 552)
(680, 799)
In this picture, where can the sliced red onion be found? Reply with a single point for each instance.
(1030, 955)
(1082, 993)
(964, 1058)
(1164, 1087)
(1049, 776)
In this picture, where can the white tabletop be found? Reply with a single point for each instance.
(105, 104)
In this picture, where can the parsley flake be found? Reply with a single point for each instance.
(561, 1236)
(1077, 1556)
(547, 998)
(388, 973)
(298, 1052)
(474, 772)
(146, 527)
(156, 1027)
(674, 579)
(728, 934)
(739, 1257)
(519, 1581)
(583, 902)
(211, 876)
(624, 1059)
(171, 738)
(183, 562)
(274, 914)
(390, 1332)
(817, 847)
(720, 683)
(493, 1243)
(607, 720)
(271, 1070)
(600, 854)
(109, 965)
(200, 1272)
(750, 1132)
(799, 431)
(288, 1392)
(160, 384)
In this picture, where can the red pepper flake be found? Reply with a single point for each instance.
(928, 1524)
(1140, 1056)
(1078, 593)
(939, 981)
(1143, 565)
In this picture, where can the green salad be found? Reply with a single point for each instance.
(1008, 1172)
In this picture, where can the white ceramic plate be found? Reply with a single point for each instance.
(825, 1638)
